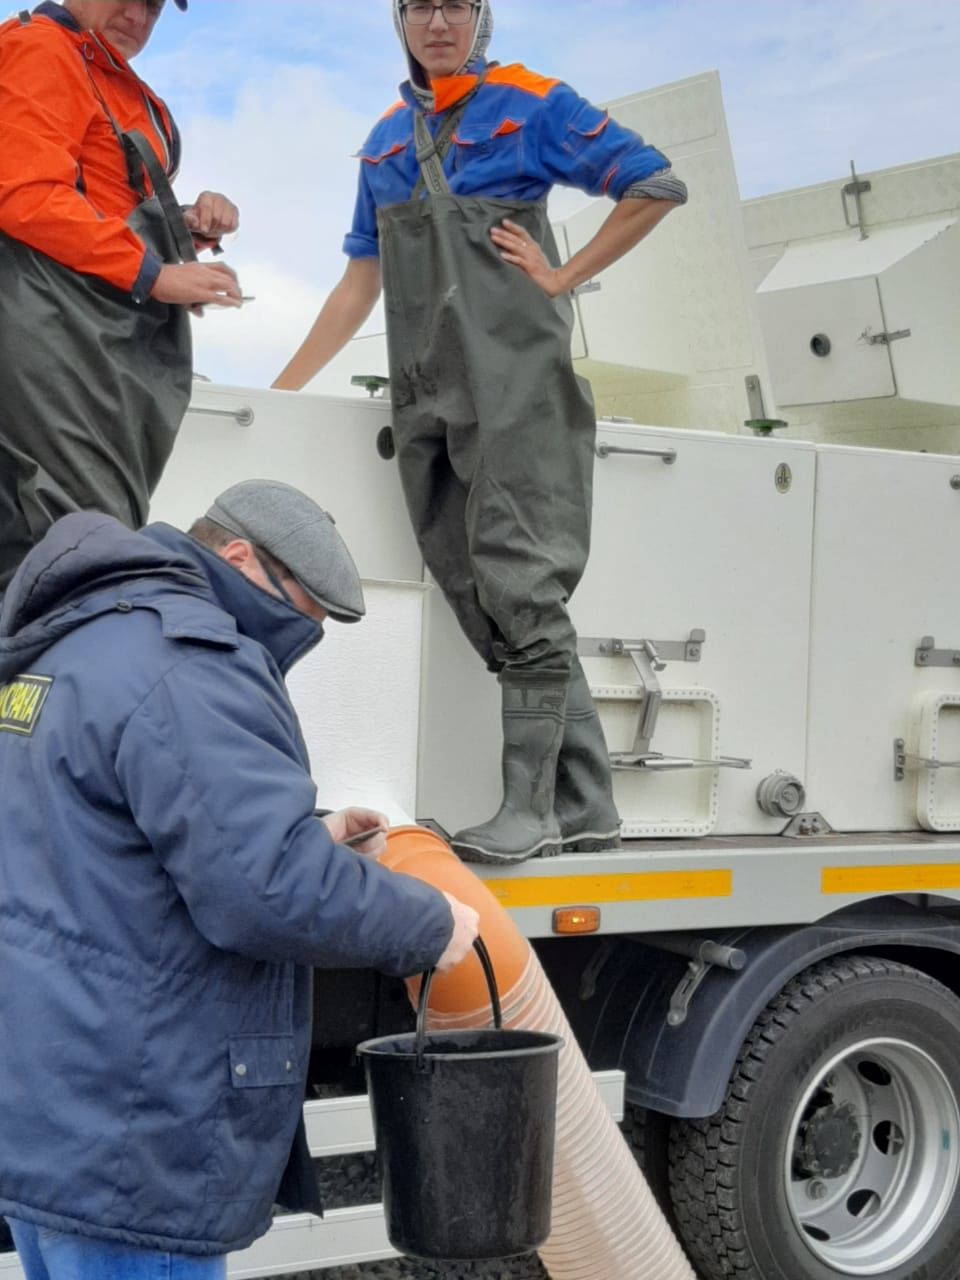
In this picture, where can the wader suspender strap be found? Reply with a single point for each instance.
(139, 156)
(136, 147)
(431, 152)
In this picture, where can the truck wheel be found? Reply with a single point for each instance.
(647, 1134)
(837, 1149)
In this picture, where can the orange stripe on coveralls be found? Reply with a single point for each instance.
(644, 886)
(899, 879)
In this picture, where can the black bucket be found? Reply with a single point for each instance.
(465, 1124)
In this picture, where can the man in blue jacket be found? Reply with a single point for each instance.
(165, 885)
(494, 431)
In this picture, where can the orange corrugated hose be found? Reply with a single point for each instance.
(606, 1221)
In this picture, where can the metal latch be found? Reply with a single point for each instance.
(885, 338)
(903, 760)
(649, 657)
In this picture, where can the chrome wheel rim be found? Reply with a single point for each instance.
(873, 1156)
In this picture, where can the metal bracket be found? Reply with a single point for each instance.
(243, 417)
(591, 974)
(758, 422)
(807, 824)
(374, 384)
(704, 954)
(685, 990)
(884, 339)
(689, 650)
(903, 760)
(591, 286)
(928, 655)
(857, 188)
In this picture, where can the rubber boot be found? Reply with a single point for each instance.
(525, 824)
(584, 801)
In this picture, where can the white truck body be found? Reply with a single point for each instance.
(799, 590)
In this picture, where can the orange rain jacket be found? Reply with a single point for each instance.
(63, 176)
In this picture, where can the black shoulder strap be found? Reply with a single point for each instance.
(139, 156)
(139, 152)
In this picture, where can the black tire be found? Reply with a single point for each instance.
(648, 1136)
(741, 1180)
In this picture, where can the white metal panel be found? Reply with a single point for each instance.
(847, 257)
(842, 311)
(326, 447)
(885, 575)
(707, 542)
(919, 293)
(357, 696)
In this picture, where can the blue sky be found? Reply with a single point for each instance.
(275, 97)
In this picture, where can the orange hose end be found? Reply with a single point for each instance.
(417, 852)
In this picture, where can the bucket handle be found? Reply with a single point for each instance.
(481, 949)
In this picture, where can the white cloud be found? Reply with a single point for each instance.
(274, 99)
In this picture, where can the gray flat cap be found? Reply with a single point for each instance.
(301, 535)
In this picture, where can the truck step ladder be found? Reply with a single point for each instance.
(302, 1242)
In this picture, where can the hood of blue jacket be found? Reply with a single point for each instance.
(91, 564)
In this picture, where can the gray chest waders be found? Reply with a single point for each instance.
(93, 386)
(495, 436)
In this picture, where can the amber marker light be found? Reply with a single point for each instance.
(576, 920)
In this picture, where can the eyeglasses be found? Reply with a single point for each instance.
(456, 13)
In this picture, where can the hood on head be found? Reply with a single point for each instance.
(478, 50)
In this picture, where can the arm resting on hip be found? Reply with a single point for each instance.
(346, 309)
(628, 223)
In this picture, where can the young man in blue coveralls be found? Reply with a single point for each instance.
(166, 888)
(494, 431)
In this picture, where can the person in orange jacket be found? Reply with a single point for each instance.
(98, 270)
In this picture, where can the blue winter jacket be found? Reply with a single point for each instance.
(164, 891)
(520, 135)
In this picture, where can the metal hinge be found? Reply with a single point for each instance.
(928, 655)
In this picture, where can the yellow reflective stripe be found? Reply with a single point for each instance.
(645, 886)
(900, 879)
